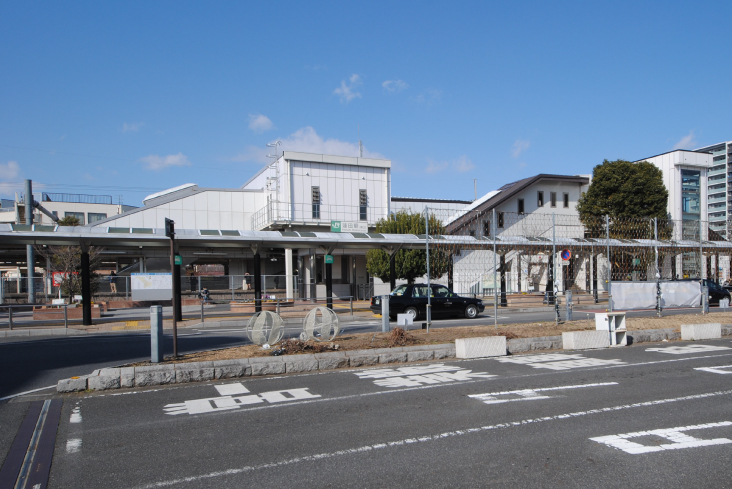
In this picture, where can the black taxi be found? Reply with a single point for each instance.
(412, 300)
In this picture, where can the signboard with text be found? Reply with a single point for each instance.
(349, 227)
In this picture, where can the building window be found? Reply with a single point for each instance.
(540, 198)
(553, 197)
(55, 213)
(472, 232)
(78, 215)
(486, 228)
(316, 202)
(566, 201)
(521, 206)
(95, 216)
(500, 219)
(363, 201)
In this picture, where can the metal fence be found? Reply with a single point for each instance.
(531, 253)
(14, 290)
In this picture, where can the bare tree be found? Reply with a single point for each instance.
(67, 261)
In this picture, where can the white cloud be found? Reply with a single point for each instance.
(429, 96)
(348, 92)
(306, 140)
(687, 142)
(519, 147)
(394, 86)
(9, 170)
(259, 123)
(461, 165)
(156, 162)
(132, 126)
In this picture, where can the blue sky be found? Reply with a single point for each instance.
(129, 98)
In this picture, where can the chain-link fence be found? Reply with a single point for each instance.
(484, 252)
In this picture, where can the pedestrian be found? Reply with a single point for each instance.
(205, 294)
(113, 282)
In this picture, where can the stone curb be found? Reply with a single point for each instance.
(126, 377)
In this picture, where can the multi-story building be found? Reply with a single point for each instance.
(719, 190)
(686, 175)
(88, 209)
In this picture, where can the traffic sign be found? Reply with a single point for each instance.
(566, 254)
(328, 259)
(178, 260)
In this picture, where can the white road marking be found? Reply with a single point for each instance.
(75, 415)
(226, 403)
(547, 357)
(425, 439)
(676, 436)
(73, 445)
(682, 350)
(529, 394)
(437, 373)
(27, 392)
(231, 389)
(717, 370)
(559, 361)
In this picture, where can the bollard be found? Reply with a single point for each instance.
(570, 304)
(156, 334)
(10, 317)
(278, 306)
(351, 299)
(66, 317)
(202, 311)
(705, 300)
(384, 313)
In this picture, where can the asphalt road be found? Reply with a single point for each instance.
(640, 416)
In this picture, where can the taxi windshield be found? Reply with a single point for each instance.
(399, 291)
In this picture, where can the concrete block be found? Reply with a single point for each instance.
(155, 368)
(696, 332)
(183, 374)
(127, 377)
(487, 346)
(267, 365)
(726, 330)
(331, 360)
(104, 382)
(444, 353)
(362, 360)
(420, 356)
(582, 340)
(674, 335)
(231, 369)
(396, 357)
(300, 363)
(72, 385)
(17, 332)
(109, 371)
(153, 377)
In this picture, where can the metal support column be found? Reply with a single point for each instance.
(658, 270)
(329, 284)
(504, 301)
(495, 253)
(257, 282)
(609, 266)
(85, 286)
(30, 255)
(427, 249)
(392, 271)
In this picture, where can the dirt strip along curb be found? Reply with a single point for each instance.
(126, 377)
